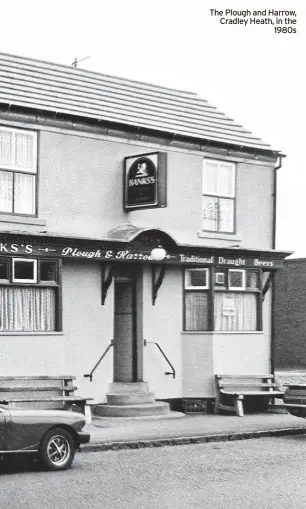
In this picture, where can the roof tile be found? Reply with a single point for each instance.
(57, 88)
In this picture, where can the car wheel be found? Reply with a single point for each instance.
(57, 449)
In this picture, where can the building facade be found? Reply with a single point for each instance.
(132, 217)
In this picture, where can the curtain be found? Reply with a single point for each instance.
(6, 190)
(24, 196)
(24, 151)
(196, 311)
(235, 311)
(225, 179)
(218, 178)
(210, 177)
(226, 215)
(218, 211)
(210, 212)
(27, 309)
(217, 214)
(6, 148)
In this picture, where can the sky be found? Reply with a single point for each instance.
(251, 73)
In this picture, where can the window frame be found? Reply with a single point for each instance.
(57, 284)
(206, 193)
(28, 132)
(44, 282)
(237, 288)
(191, 287)
(220, 284)
(13, 170)
(35, 270)
(214, 288)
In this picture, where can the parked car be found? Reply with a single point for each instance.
(53, 436)
(295, 400)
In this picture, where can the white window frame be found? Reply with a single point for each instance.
(13, 171)
(16, 280)
(206, 192)
(13, 167)
(191, 287)
(220, 280)
(218, 162)
(236, 288)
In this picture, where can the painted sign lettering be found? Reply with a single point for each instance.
(100, 251)
(79, 253)
(13, 248)
(197, 259)
(237, 262)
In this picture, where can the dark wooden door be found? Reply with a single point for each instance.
(127, 330)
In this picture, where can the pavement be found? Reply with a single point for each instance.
(181, 429)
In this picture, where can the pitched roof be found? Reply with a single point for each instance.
(57, 88)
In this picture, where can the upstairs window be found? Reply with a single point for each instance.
(218, 196)
(18, 168)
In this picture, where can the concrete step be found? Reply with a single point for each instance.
(127, 387)
(100, 421)
(148, 409)
(132, 398)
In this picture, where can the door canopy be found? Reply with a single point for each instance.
(142, 238)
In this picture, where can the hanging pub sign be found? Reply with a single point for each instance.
(145, 181)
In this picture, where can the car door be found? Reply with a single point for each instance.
(3, 430)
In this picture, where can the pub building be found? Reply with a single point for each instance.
(137, 238)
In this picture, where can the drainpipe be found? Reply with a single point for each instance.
(277, 167)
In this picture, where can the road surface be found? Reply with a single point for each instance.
(266, 473)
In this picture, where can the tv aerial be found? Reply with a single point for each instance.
(77, 60)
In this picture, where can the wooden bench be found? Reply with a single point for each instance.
(295, 399)
(233, 389)
(44, 392)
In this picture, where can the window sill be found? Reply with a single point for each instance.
(30, 220)
(233, 237)
(214, 332)
(29, 333)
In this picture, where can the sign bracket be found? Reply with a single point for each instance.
(106, 281)
(158, 274)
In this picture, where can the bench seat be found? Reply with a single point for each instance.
(231, 390)
(254, 393)
(43, 390)
(31, 388)
(68, 402)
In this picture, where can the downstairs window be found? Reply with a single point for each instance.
(230, 302)
(29, 293)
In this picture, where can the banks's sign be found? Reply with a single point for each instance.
(145, 181)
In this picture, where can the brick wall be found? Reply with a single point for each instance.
(290, 316)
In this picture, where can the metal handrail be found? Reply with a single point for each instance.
(89, 375)
(164, 355)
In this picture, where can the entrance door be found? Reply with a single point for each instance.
(128, 341)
